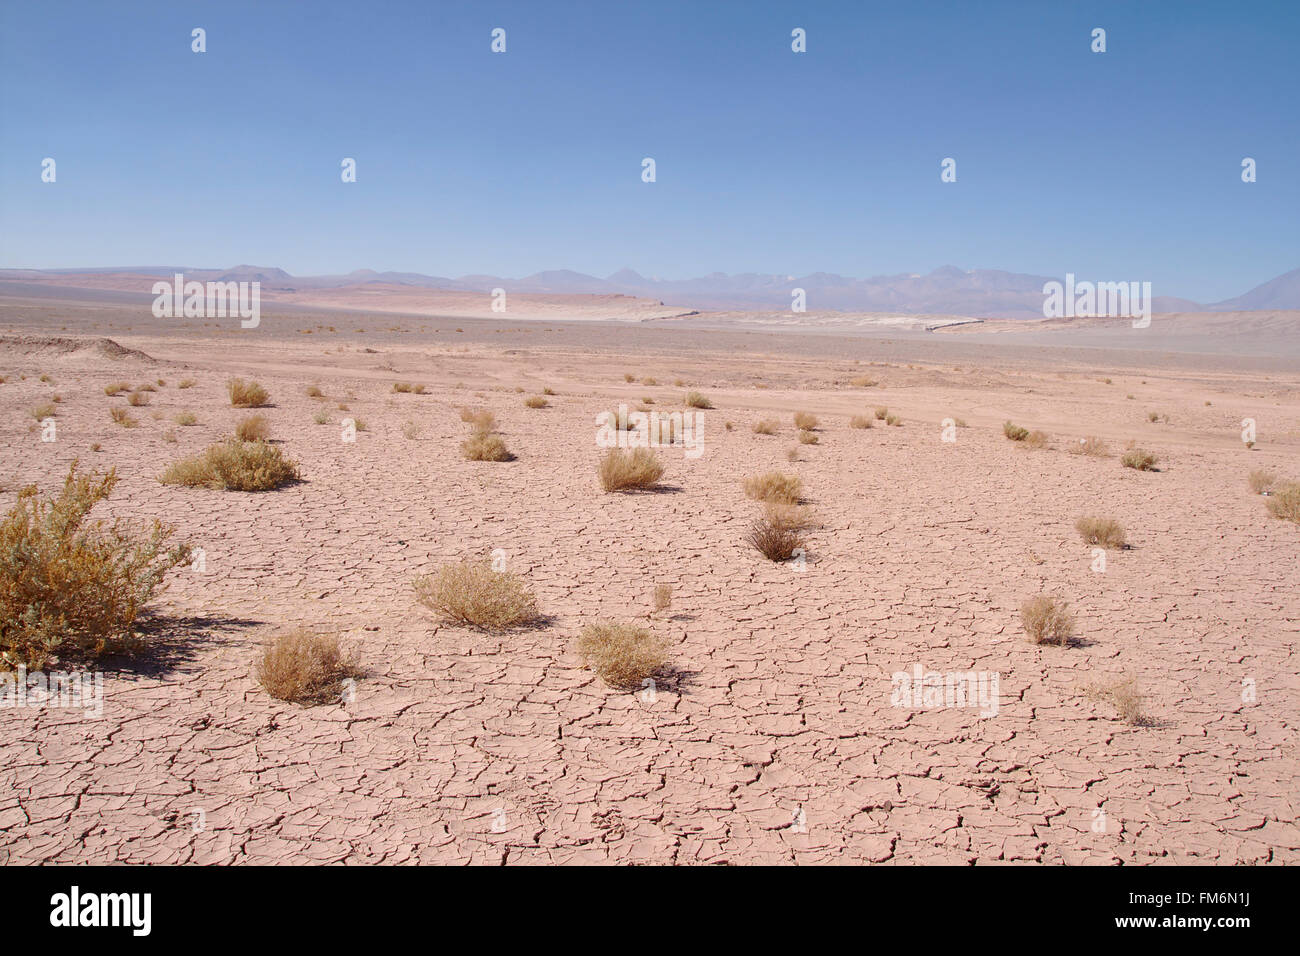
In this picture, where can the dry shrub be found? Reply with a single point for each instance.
(469, 592)
(186, 419)
(1125, 697)
(117, 388)
(1092, 446)
(43, 411)
(1139, 458)
(805, 421)
(767, 426)
(246, 394)
(403, 387)
(169, 436)
(1036, 439)
(122, 417)
(551, 391)
(233, 465)
(411, 430)
(1106, 532)
(1262, 480)
(136, 399)
(253, 428)
(697, 400)
(792, 454)
(1285, 502)
(146, 387)
(627, 468)
(808, 438)
(484, 446)
(1014, 431)
(893, 420)
(186, 383)
(623, 655)
(313, 391)
(321, 418)
(881, 413)
(303, 667)
(860, 421)
(629, 377)
(663, 597)
(536, 401)
(774, 486)
(776, 542)
(417, 389)
(1047, 620)
(863, 382)
(68, 587)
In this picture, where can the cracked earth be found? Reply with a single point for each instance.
(773, 739)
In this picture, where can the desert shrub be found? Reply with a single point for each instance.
(186, 419)
(808, 438)
(322, 417)
(1014, 431)
(1036, 439)
(169, 436)
(1138, 458)
(663, 597)
(313, 391)
(122, 417)
(410, 430)
(472, 593)
(649, 381)
(774, 486)
(484, 446)
(622, 654)
(1047, 620)
(403, 387)
(623, 469)
(863, 382)
(792, 454)
(253, 428)
(767, 426)
(536, 401)
(697, 400)
(893, 420)
(551, 391)
(43, 411)
(233, 465)
(860, 421)
(1125, 697)
(303, 667)
(1092, 446)
(1262, 480)
(69, 587)
(1106, 532)
(137, 399)
(246, 394)
(629, 377)
(881, 413)
(1285, 502)
(186, 383)
(775, 542)
(805, 421)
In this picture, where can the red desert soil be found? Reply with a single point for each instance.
(773, 738)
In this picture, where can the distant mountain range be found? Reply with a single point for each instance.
(979, 293)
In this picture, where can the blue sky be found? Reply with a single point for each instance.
(1123, 165)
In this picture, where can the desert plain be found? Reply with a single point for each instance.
(772, 734)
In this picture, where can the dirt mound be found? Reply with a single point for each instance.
(62, 345)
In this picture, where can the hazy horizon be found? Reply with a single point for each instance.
(1122, 165)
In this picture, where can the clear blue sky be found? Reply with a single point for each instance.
(1123, 165)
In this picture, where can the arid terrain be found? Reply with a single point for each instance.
(772, 735)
